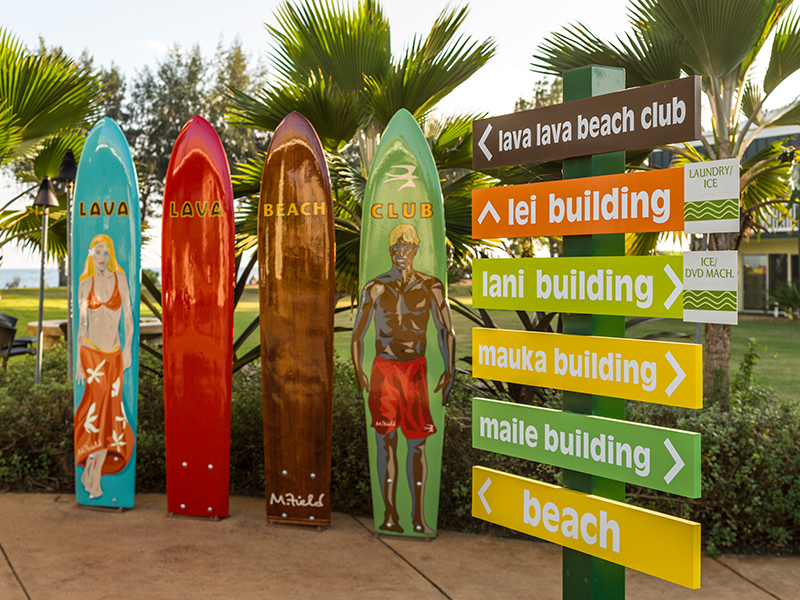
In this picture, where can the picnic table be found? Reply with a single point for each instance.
(54, 330)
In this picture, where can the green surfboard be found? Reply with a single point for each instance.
(403, 342)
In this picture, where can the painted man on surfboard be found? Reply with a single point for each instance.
(402, 300)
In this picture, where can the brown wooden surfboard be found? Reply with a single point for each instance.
(296, 292)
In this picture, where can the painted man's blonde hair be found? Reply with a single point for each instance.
(406, 232)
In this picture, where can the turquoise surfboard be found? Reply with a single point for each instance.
(403, 342)
(106, 285)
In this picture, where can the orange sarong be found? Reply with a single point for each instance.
(100, 421)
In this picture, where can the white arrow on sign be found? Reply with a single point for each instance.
(481, 142)
(678, 286)
(679, 374)
(481, 492)
(489, 209)
(678, 462)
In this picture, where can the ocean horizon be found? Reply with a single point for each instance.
(29, 278)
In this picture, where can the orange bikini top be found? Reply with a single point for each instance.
(113, 303)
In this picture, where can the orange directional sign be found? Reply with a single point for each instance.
(660, 545)
(651, 371)
(645, 201)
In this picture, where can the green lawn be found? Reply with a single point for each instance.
(23, 303)
(779, 366)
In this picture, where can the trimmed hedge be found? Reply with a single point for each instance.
(750, 463)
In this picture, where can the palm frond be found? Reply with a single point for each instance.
(766, 179)
(246, 178)
(25, 228)
(451, 140)
(429, 70)
(778, 10)
(574, 46)
(786, 115)
(718, 35)
(345, 45)
(47, 92)
(751, 103)
(349, 183)
(48, 158)
(348, 250)
(785, 57)
(641, 243)
(335, 115)
(10, 135)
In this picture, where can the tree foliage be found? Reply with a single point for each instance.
(47, 102)
(335, 66)
(162, 100)
(721, 40)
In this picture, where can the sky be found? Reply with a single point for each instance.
(135, 34)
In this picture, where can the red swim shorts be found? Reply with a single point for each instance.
(398, 397)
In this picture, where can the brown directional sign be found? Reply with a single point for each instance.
(661, 113)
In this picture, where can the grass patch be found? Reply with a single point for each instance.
(23, 303)
(780, 361)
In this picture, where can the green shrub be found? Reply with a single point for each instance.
(36, 425)
(350, 487)
(247, 433)
(750, 467)
(750, 455)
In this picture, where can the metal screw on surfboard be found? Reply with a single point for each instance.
(313, 476)
(45, 198)
(285, 472)
(67, 173)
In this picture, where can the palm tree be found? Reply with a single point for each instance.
(720, 40)
(335, 66)
(45, 101)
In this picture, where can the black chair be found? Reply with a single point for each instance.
(7, 347)
(24, 342)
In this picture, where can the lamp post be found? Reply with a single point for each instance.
(67, 173)
(45, 198)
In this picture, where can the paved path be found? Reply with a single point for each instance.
(52, 550)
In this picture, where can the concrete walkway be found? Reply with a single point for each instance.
(52, 550)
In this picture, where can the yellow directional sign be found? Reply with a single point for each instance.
(651, 371)
(660, 545)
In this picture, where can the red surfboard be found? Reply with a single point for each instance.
(197, 299)
(296, 292)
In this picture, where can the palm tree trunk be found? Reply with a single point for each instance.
(717, 354)
(62, 272)
(715, 365)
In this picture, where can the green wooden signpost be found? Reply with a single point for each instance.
(585, 577)
(594, 286)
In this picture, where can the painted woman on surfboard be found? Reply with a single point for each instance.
(103, 438)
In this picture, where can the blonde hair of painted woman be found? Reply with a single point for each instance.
(88, 269)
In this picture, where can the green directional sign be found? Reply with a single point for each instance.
(655, 457)
(635, 286)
